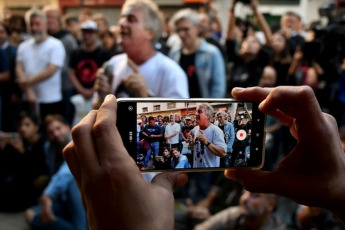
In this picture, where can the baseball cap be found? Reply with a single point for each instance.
(187, 118)
(89, 25)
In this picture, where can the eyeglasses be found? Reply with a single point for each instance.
(199, 111)
(182, 29)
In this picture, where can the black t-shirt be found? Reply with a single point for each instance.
(186, 130)
(86, 64)
(187, 62)
(155, 130)
(166, 165)
(222, 128)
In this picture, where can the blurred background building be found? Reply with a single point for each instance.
(273, 9)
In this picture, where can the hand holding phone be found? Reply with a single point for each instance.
(208, 143)
(111, 185)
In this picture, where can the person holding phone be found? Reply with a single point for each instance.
(112, 186)
(164, 161)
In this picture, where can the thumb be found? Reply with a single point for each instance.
(133, 66)
(170, 180)
(253, 180)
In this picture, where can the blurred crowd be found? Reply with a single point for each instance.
(53, 71)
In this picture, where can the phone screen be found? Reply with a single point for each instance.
(192, 135)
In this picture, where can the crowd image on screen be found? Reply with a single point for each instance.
(155, 138)
(52, 74)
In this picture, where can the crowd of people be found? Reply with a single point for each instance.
(51, 76)
(191, 137)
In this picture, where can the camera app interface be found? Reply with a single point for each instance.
(184, 135)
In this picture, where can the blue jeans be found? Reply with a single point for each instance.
(153, 146)
(70, 214)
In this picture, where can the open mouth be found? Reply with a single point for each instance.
(125, 32)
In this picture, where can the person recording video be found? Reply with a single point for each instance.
(114, 191)
(164, 161)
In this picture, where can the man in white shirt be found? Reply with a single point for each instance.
(142, 71)
(207, 139)
(172, 131)
(38, 67)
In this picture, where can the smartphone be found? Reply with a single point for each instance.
(14, 136)
(108, 70)
(236, 128)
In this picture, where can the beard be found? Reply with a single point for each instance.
(38, 37)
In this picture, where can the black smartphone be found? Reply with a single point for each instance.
(192, 134)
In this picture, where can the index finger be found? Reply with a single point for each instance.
(295, 102)
(133, 66)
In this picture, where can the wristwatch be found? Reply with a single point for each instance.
(208, 144)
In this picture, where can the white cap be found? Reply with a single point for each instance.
(89, 25)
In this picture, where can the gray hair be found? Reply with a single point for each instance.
(221, 113)
(37, 13)
(153, 18)
(185, 14)
(208, 110)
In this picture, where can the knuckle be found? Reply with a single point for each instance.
(306, 92)
(100, 129)
(78, 130)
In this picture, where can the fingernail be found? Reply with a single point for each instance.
(108, 97)
(262, 104)
(238, 89)
(230, 174)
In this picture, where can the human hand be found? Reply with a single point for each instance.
(87, 93)
(312, 173)
(30, 96)
(298, 55)
(254, 4)
(342, 67)
(202, 137)
(197, 212)
(47, 209)
(18, 145)
(112, 188)
(135, 82)
(24, 82)
(103, 83)
(3, 140)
